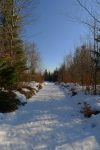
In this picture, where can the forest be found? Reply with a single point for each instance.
(41, 109)
(20, 60)
(83, 64)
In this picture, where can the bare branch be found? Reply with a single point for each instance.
(87, 10)
(78, 20)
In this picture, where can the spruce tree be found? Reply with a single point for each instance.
(12, 62)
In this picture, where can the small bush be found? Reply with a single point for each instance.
(8, 102)
(31, 91)
(73, 92)
(28, 94)
(40, 86)
(86, 110)
(18, 86)
(87, 90)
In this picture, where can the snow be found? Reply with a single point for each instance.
(20, 96)
(94, 102)
(25, 90)
(86, 144)
(51, 120)
(32, 84)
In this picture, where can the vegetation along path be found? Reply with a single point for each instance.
(49, 121)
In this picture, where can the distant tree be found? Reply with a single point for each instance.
(48, 76)
(66, 73)
(32, 59)
(55, 75)
(62, 72)
(77, 67)
(82, 61)
(45, 74)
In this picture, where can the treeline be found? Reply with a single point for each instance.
(51, 77)
(18, 60)
(77, 67)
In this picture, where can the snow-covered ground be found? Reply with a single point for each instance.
(51, 120)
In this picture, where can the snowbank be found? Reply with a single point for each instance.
(93, 101)
(20, 96)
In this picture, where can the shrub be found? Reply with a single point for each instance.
(31, 91)
(87, 90)
(86, 110)
(18, 86)
(8, 102)
(28, 94)
(73, 92)
(40, 86)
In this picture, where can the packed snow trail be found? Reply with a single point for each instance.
(50, 121)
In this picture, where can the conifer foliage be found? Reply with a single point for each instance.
(12, 62)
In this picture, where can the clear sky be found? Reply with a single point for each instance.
(53, 33)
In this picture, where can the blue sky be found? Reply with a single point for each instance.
(53, 33)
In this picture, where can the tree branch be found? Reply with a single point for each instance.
(87, 10)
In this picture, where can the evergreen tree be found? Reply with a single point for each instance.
(12, 62)
(45, 75)
(55, 75)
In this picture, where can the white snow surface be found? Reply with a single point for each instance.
(20, 96)
(51, 120)
(25, 90)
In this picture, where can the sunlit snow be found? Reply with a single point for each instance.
(51, 120)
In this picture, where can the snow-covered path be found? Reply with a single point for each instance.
(50, 121)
